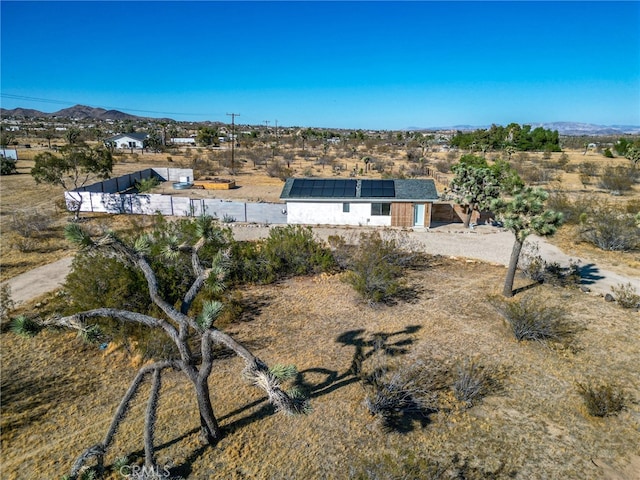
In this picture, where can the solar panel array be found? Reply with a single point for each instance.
(377, 188)
(322, 188)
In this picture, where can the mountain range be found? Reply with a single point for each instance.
(79, 112)
(83, 112)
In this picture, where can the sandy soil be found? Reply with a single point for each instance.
(59, 395)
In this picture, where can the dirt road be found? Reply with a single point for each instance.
(484, 243)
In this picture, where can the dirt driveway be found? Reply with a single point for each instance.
(484, 243)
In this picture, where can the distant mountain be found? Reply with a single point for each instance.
(80, 112)
(563, 128)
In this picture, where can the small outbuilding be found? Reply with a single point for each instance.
(394, 203)
(9, 154)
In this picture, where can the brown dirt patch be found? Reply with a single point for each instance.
(58, 395)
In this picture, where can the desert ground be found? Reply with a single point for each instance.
(58, 394)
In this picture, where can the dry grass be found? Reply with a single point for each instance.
(58, 396)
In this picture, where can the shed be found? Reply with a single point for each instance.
(394, 202)
(9, 154)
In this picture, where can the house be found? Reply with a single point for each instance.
(127, 140)
(396, 203)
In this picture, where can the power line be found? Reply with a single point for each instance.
(233, 137)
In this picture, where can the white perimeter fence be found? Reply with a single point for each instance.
(106, 197)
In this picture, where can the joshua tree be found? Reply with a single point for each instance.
(524, 214)
(193, 336)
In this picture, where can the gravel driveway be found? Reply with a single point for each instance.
(484, 243)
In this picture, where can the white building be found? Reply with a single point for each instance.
(395, 203)
(9, 154)
(127, 140)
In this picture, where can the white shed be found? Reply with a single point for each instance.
(9, 154)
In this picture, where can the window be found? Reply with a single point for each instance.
(380, 209)
(345, 207)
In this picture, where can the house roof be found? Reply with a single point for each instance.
(135, 135)
(325, 189)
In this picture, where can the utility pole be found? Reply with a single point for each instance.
(233, 140)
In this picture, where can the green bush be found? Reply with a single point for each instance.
(602, 400)
(375, 267)
(287, 251)
(7, 166)
(145, 185)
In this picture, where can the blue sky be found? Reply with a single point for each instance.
(379, 65)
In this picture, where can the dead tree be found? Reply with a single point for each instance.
(194, 337)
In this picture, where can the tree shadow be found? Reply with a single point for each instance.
(389, 344)
(589, 274)
(524, 288)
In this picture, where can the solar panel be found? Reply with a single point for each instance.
(377, 188)
(320, 188)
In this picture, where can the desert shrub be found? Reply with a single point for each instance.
(25, 245)
(607, 153)
(376, 266)
(6, 302)
(30, 223)
(293, 250)
(277, 169)
(617, 179)
(7, 166)
(533, 318)
(570, 209)
(406, 465)
(626, 295)
(590, 169)
(608, 228)
(602, 400)
(290, 250)
(534, 267)
(473, 382)
(444, 165)
(397, 397)
(633, 206)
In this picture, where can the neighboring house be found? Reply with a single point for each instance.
(9, 154)
(396, 203)
(127, 140)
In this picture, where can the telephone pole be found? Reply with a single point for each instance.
(233, 140)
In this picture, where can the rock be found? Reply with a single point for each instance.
(585, 289)
(609, 298)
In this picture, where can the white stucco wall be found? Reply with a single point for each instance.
(124, 142)
(330, 213)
